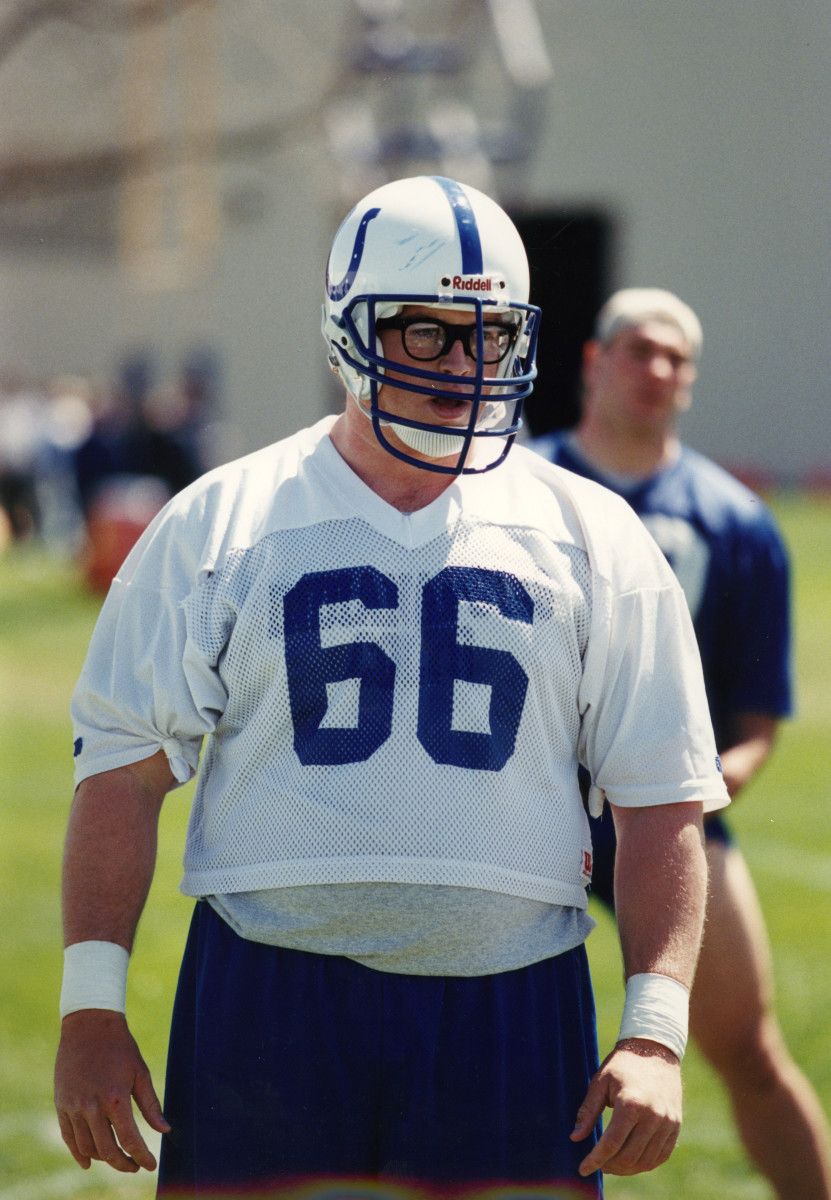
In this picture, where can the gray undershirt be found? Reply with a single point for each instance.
(409, 929)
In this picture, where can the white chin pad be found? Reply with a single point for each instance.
(429, 442)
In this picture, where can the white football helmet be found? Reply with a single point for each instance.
(431, 241)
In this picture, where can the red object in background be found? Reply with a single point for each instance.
(117, 518)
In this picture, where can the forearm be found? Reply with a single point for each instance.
(108, 867)
(752, 738)
(660, 889)
(110, 852)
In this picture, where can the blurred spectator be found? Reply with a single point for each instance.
(87, 467)
(152, 432)
(22, 409)
(67, 424)
(172, 430)
(143, 448)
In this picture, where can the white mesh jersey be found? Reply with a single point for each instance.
(397, 697)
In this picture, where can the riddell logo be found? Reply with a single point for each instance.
(470, 283)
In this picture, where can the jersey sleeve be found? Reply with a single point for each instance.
(646, 735)
(144, 686)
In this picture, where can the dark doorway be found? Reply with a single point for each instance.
(570, 255)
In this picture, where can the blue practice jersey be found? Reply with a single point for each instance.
(724, 546)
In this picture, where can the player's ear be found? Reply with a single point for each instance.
(591, 352)
(685, 393)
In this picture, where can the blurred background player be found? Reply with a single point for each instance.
(396, 662)
(721, 540)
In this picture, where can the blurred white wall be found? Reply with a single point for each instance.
(706, 127)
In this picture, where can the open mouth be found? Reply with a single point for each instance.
(451, 407)
(454, 395)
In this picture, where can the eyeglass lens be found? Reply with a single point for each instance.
(427, 340)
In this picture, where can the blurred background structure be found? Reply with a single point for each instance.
(172, 172)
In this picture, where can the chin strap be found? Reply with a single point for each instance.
(429, 442)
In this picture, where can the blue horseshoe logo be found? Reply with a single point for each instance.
(339, 290)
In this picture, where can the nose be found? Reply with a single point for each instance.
(456, 361)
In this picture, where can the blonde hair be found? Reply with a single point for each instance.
(633, 306)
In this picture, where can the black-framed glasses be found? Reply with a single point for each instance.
(427, 339)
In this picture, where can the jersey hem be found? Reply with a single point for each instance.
(436, 873)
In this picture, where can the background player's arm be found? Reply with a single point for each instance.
(750, 740)
(660, 892)
(109, 861)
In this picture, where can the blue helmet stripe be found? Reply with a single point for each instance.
(472, 260)
(339, 290)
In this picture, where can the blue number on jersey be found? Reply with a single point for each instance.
(310, 667)
(444, 660)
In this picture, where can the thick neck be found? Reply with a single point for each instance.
(626, 451)
(402, 485)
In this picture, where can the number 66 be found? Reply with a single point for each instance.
(443, 660)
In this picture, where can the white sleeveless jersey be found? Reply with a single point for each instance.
(395, 697)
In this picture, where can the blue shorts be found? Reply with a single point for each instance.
(290, 1071)
(604, 845)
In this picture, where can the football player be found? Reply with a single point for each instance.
(723, 545)
(396, 640)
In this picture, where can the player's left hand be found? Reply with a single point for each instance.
(641, 1082)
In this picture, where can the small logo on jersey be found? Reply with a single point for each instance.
(719, 767)
(587, 864)
(78, 747)
(450, 284)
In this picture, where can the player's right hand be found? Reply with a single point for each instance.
(98, 1073)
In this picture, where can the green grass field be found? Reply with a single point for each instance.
(783, 822)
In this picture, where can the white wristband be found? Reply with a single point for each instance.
(656, 1008)
(94, 976)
